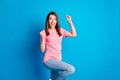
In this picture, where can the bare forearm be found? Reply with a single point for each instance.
(73, 31)
(42, 46)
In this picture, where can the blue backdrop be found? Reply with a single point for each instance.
(95, 52)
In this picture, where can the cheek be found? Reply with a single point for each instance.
(49, 21)
(55, 21)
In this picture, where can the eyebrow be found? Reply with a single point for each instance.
(51, 17)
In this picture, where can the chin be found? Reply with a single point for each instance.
(52, 27)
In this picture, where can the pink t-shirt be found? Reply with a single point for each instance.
(53, 44)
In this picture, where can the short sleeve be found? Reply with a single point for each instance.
(44, 34)
(64, 32)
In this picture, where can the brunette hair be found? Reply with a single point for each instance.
(47, 26)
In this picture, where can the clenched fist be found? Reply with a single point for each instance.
(68, 18)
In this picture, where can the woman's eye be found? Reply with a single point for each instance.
(49, 18)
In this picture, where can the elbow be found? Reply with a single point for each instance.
(42, 50)
(74, 35)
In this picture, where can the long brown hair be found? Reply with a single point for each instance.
(47, 26)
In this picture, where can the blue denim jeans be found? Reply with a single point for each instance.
(59, 70)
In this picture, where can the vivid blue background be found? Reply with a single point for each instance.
(95, 52)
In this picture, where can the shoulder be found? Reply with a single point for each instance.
(62, 29)
(42, 32)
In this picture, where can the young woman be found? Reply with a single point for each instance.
(51, 39)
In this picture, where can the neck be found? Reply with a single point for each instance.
(52, 28)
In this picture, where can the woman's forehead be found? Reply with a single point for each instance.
(52, 16)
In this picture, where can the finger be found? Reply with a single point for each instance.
(67, 16)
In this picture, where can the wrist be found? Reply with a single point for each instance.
(70, 22)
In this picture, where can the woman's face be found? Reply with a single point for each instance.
(52, 21)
